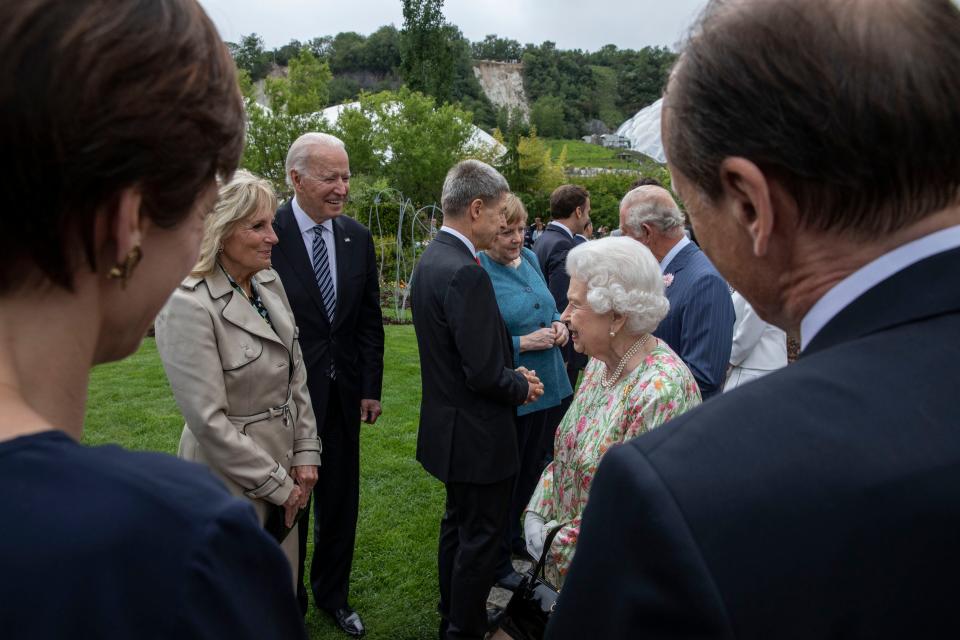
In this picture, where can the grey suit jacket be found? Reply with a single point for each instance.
(240, 384)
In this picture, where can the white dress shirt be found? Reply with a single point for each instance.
(463, 239)
(758, 346)
(684, 241)
(871, 274)
(558, 225)
(307, 232)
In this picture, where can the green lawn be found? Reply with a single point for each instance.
(584, 154)
(394, 583)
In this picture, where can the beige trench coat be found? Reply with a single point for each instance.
(241, 386)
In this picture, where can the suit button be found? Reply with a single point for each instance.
(536, 306)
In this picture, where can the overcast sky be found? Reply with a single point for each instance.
(571, 24)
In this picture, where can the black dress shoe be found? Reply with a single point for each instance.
(348, 620)
(510, 581)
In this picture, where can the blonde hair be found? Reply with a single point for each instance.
(245, 195)
(515, 210)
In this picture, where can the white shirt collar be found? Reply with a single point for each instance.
(871, 274)
(684, 241)
(463, 239)
(305, 222)
(560, 225)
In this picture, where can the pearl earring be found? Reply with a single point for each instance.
(613, 334)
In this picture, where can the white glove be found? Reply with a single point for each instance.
(534, 532)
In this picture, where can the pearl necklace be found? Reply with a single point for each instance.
(606, 382)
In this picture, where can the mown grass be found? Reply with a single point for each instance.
(394, 580)
(584, 154)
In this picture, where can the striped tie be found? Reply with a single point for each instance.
(321, 269)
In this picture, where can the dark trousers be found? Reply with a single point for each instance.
(535, 433)
(471, 532)
(336, 501)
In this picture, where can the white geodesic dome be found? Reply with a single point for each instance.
(643, 131)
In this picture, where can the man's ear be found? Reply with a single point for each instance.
(746, 193)
(128, 224)
(475, 209)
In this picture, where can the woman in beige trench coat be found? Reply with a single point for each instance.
(229, 346)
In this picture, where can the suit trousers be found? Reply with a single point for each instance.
(471, 533)
(336, 503)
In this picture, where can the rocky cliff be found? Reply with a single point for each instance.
(502, 82)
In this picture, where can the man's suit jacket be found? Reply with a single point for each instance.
(227, 367)
(821, 501)
(551, 249)
(699, 326)
(467, 423)
(355, 341)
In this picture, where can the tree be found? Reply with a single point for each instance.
(495, 48)
(548, 117)
(306, 87)
(406, 138)
(250, 56)
(425, 48)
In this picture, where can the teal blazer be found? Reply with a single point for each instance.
(527, 305)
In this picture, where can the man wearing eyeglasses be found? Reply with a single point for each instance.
(328, 268)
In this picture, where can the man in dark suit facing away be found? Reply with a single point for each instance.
(467, 436)
(570, 210)
(821, 501)
(699, 326)
(329, 271)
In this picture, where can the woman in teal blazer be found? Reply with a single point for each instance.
(532, 318)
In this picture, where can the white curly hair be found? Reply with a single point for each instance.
(621, 276)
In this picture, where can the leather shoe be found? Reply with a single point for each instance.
(510, 581)
(348, 620)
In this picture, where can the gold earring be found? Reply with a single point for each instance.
(124, 270)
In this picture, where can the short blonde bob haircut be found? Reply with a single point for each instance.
(241, 198)
(515, 211)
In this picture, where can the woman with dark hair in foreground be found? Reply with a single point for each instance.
(117, 118)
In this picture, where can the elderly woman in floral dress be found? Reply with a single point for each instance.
(633, 383)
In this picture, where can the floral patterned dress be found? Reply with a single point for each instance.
(659, 389)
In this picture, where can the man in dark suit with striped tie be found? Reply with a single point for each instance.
(699, 326)
(329, 270)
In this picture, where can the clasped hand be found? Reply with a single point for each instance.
(304, 477)
(534, 386)
(548, 337)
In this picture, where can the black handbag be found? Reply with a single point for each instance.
(276, 524)
(533, 601)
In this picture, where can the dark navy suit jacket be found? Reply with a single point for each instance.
(355, 341)
(467, 429)
(821, 501)
(98, 542)
(551, 249)
(699, 326)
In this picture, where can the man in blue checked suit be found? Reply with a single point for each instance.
(699, 326)
(329, 271)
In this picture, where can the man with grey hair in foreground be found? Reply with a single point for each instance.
(699, 326)
(822, 500)
(327, 265)
(467, 437)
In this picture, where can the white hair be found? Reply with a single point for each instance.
(621, 276)
(302, 147)
(658, 209)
